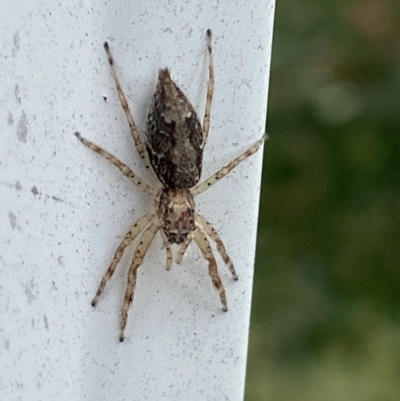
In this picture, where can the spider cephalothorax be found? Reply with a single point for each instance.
(175, 211)
(174, 142)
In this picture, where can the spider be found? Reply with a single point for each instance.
(173, 152)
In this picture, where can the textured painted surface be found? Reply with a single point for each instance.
(64, 209)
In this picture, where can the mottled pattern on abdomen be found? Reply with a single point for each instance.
(174, 136)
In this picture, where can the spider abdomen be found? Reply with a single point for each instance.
(174, 136)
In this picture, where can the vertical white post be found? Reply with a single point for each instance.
(64, 209)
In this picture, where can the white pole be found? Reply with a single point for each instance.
(64, 209)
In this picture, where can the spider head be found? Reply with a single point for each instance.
(175, 210)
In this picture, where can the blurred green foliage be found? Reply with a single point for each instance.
(326, 308)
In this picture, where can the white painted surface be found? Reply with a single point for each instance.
(64, 209)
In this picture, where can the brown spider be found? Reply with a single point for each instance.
(174, 140)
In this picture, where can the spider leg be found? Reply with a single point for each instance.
(205, 225)
(129, 237)
(201, 240)
(168, 251)
(182, 251)
(224, 171)
(146, 188)
(145, 240)
(125, 106)
(210, 89)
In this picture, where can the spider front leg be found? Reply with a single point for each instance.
(224, 171)
(129, 237)
(205, 225)
(182, 251)
(125, 170)
(201, 240)
(168, 251)
(210, 89)
(145, 240)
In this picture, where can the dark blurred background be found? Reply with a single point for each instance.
(326, 308)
